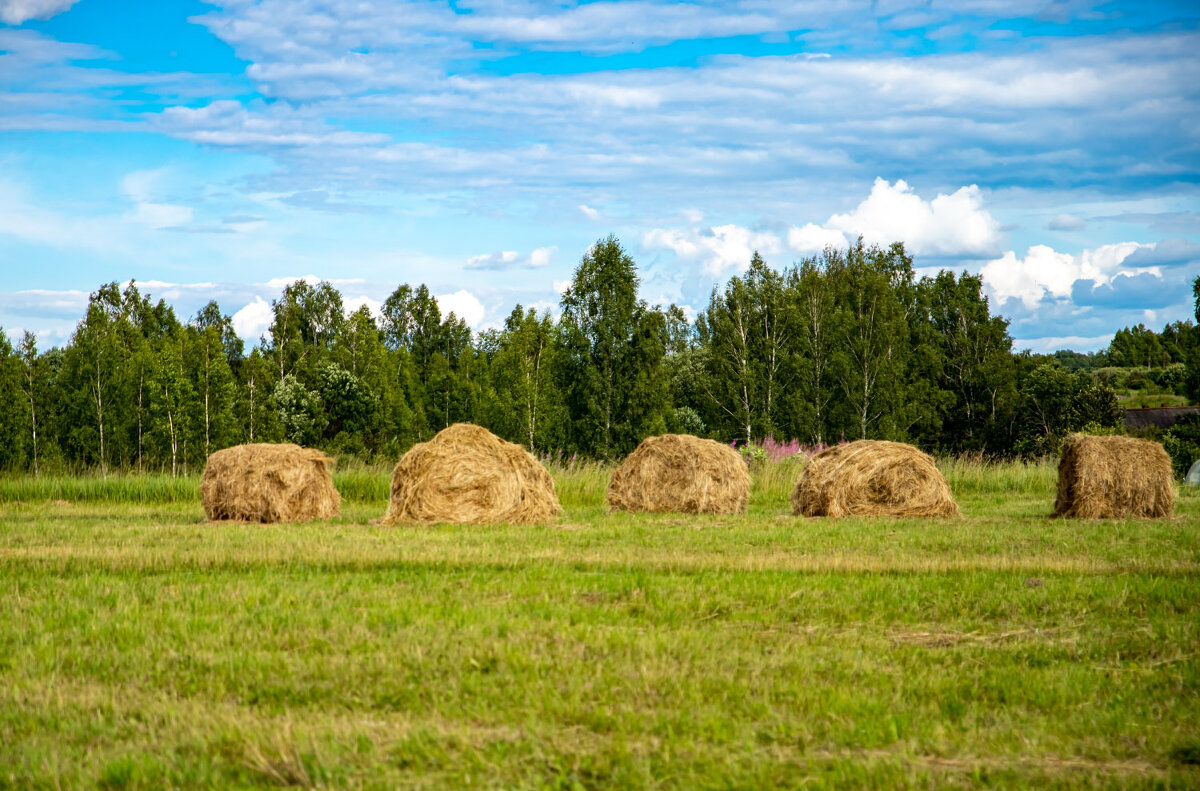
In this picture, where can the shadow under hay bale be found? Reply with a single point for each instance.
(682, 474)
(466, 474)
(872, 478)
(1107, 477)
(269, 483)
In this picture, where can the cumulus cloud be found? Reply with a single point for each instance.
(541, 256)
(948, 225)
(1045, 272)
(251, 321)
(812, 238)
(464, 305)
(589, 212)
(352, 304)
(15, 12)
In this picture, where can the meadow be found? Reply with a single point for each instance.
(141, 647)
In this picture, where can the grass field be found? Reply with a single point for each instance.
(143, 648)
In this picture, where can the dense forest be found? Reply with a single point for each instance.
(847, 344)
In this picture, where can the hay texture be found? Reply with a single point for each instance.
(872, 478)
(467, 474)
(269, 483)
(1106, 477)
(683, 474)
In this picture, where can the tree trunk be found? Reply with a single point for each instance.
(141, 378)
(207, 355)
(33, 422)
(99, 393)
(174, 443)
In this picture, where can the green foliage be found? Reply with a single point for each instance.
(1137, 347)
(612, 350)
(685, 420)
(1169, 361)
(526, 405)
(1182, 443)
(1076, 361)
(350, 406)
(843, 345)
(13, 418)
(1056, 403)
(301, 411)
(751, 367)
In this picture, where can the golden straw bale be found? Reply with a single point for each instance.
(1104, 477)
(269, 483)
(872, 478)
(683, 474)
(467, 474)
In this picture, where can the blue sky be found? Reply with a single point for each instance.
(220, 150)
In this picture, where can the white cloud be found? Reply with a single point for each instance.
(949, 225)
(561, 286)
(679, 242)
(253, 320)
(352, 304)
(228, 123)
(71, 301)
(464, 304)
(812, 239)
(499, 260)
(1046, 272)
(614, 96)
(589, 212)
(718, 250)
(14, 12)
(511, 259)
(541, 256)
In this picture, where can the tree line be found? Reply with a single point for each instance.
(843, 345)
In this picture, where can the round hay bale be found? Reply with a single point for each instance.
(872, 478)
(683, 474)
(467, 474)
(265, 482)
(1114, 477)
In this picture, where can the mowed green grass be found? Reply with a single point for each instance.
(141, 647)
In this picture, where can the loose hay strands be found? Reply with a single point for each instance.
(872, 478)
(683, 474)
(269, 483)
(469, 475)
(1106, 477)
